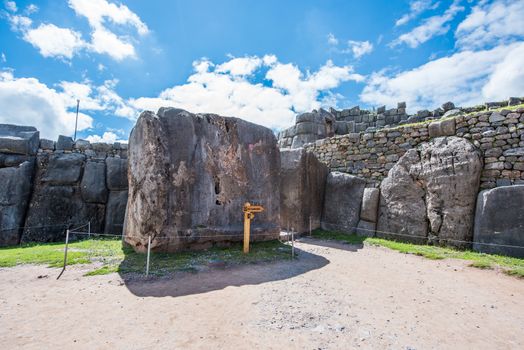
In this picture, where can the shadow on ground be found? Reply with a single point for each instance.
(350, 247)
(181, 283)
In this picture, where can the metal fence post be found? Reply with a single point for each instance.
(65, 253)
(148, 253)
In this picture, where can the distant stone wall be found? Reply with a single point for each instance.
(499, 134)
(50, 186)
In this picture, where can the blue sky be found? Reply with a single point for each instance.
(263, 61)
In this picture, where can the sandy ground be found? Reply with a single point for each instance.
(333, 297)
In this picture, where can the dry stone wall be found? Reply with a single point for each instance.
(50, 186)
(499, 134)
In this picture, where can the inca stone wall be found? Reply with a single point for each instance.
(50, 186)
(499, 134)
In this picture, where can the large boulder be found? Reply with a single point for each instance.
(342, 199)
(18, 139)
(429, 195)
(15, 191)
(499, 221)
(302, 181)
(190, 175)
(61, 168)
(115, 212)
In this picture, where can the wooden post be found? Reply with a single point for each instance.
(65, 253)
(247, 231)
(310, 232)
(89, 229)
(148, 253)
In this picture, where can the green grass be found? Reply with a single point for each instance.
(511, 266)
(110, 256)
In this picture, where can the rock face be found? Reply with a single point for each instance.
(499, 219)
(17, 139)
(429, 195)
(342, 201)
(189, 176)
(302, 181)
(15, 190)
(368, 212)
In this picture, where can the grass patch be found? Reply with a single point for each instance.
(114, 257)
(511, 266)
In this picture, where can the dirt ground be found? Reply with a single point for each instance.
(334, 297)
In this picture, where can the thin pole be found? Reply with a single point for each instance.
(76, 120)
(65, 254)
(89, 229)
(310, 226)
(292, 244)
(148, 253)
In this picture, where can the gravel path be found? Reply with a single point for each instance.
(334, 297)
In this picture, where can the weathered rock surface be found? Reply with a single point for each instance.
(64, 143)
(94, 182)
(189, 176)
(499, 219)
(57, 202)
(115, 212)
(366, 228)
(343, 196)
(429, 195)
(302, 182)
(369, 210)
(116, 174)
(15, 190)
(18, 139)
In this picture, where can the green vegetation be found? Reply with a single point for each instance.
(110, 256)
(510, 265)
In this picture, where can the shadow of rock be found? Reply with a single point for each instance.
(350, 247)
(188, 283)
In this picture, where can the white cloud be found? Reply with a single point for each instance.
(37, 105)
(431, 27)
(30, 9)
(466, 78)
(214, 89)
(107, 137)
(240, 65)
(53, 41)
(491, 24)
(416, 7)
(3, 58)
(360, 48)
(11, 6)
(332, 40)
(98, 11)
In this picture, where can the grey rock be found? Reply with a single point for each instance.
(366, 228)
(452, 112)
(46, 144)
(300, 140)
(448, 106)
(64, 143)
(93, 183)
(190, 175)
(519, 151)
(343, 196)
(17, 139)
(10, 160)
(496, 117)
(115, 212)
(499, 220)
(381, 109)
(61, 168)
(369, 210)
(116, 174)
(442, 128)
(15, 191)
(53, 209)
(302, 181)
(82, 145)
(401, 105)
(423, 188)
(513, 101)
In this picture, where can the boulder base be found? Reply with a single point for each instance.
(190, 175)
